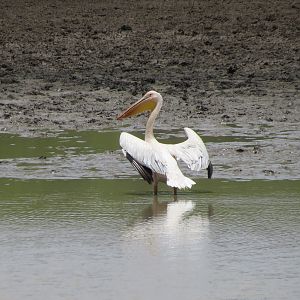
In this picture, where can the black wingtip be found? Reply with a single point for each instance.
(144, 171)
(210, 170)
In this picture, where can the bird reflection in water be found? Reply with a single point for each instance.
(158, 208)
(172, 224)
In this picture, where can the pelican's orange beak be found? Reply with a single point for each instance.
(144, 104)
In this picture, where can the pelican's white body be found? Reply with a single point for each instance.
(162, 158)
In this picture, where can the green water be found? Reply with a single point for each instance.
(84, 142)
(78, 223)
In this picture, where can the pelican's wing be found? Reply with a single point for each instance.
(155, 157)
(145, 172)
(193, 151)
(143, 153)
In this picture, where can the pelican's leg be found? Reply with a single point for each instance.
(175, 194)
(175, 191)
(155, 188)
(155, 184)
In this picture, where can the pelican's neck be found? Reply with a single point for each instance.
(150, 123)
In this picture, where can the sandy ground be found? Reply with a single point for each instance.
(77, 64)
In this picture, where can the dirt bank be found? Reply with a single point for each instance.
(74, 64)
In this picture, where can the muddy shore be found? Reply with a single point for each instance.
(65, 64)
(76, 65)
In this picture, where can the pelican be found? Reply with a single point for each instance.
(156, 161)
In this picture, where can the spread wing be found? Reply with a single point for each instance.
(155, 157)
(192, 151)
(145, 172)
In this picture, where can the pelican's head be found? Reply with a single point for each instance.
(147, 103)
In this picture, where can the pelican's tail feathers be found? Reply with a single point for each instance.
(181, 183)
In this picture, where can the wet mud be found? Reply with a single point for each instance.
(218, 65)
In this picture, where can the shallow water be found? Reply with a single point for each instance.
(93, 154)
(77, 223)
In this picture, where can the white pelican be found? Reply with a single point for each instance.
(156, 161)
